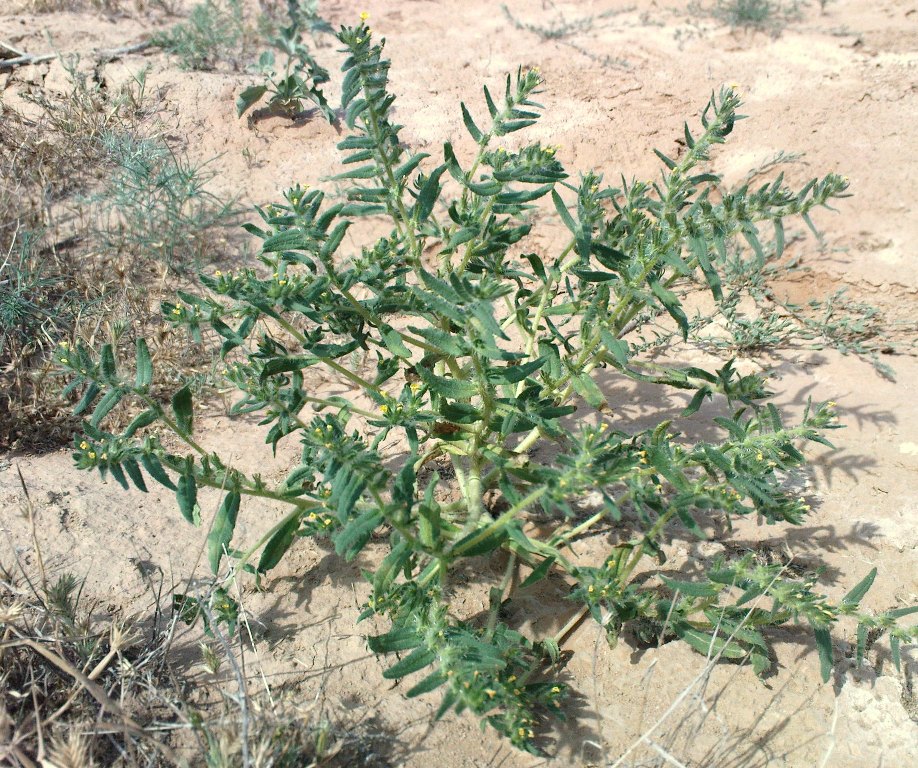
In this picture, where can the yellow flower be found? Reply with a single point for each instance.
(384, 408)
(490, 693)
(64, 360)
(218, 273)
(84, 445)
(177, 311)
(91, 454)
(364, 16)
(104, 456)
(556, 689)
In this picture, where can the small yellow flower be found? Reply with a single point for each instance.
(282, 282)
(831, 404)
(590, 589)
(91, 454)
(84, 445)
(328, 521)
(64, 345)
(104, 456)
(491, 694)
(556, 689)
(384, 408)
(364, 16)
(177, 311)
(312, 516)
(64, 360)
(511, 678)
(218, 273)
(759, 456)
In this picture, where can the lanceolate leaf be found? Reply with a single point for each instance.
(144, 373)
(278, 544)
(182, 408)
(221, 534)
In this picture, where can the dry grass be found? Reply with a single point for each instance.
(82, 685)
(62, 274)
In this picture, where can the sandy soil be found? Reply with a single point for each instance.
(839, 86)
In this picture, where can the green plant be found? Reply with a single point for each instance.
(154, 204)
(301, 78)
(766, 15)
(214, 31)
(468, 352)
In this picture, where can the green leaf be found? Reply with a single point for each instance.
(671, 302)
(476, 543)
(278, 544)
(107, 363)
(91, 393)
(364, 172)
(141, 420)
(564, 213)
(707, 643)
(473, 129)
(428, 684)
(699, 249)
(393, 342)
(248, 97)
(669, 163)
(454, 389)
(538, 573)
(824, 648)
(155, 470)
(352, 537)
(105, 406)
(699, 397)
(187, 495)
(691, 589)
(133, 471)
(514, 374)
(334, 240)
(288, 363)
(414, 661)
(407, 167)
(447, 344)
(144, 375)
(585, 387)
(221, 533)
(399, 639)
(428, 195)
(182, 408)
(855, 596)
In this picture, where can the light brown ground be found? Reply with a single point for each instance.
(838, 85)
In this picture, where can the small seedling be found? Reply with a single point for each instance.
(302, 75)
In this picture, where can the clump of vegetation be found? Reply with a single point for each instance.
(764, 15)
(468, 354)
(154, 204)
(214, 32)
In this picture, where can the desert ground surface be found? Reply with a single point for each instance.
(838, 84)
